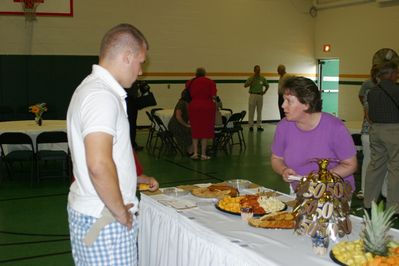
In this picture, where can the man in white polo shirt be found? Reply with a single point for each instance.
(102, 155)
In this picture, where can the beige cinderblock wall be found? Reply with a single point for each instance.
(356, 32)
(224, 36)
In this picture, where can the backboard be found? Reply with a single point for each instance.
(44, 7)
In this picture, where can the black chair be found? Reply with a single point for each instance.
(153, 128)
(224, 119)
(44, 155)
(27, 154)
(239, 130)
(233, 127)
(153, 110)
(168, 142)
(224, 137)
(151, 131)
(357, 139)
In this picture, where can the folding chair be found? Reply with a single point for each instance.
(152, 133)
(54, 153)
(240, 129)
(224, 119)
(153, 110)
(24, 152)
(153, 127)
(167, 141)
(224, 137)
(233, 127)
(357, 140)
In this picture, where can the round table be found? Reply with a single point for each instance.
(30, 128)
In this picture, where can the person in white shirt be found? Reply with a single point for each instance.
(102, 155)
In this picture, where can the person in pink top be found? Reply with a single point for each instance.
(306, 134)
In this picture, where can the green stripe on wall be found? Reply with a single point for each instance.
(183, 81)
(343, 82)
(233, 81)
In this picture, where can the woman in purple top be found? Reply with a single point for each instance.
(306, 133)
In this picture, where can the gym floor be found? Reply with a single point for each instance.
(33, 219)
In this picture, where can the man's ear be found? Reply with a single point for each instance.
(127, 56)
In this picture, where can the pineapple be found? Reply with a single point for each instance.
(375, 230)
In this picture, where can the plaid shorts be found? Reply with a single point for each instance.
(115, 244)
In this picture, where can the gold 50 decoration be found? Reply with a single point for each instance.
(322, 206)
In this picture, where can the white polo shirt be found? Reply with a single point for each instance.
(98, 105)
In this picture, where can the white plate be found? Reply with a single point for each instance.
(295, 177)
(173, 191)
(178, 204)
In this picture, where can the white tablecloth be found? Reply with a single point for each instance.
(33, 130)
(166, 115)
(207, 236)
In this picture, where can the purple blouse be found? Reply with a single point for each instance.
(330, 139)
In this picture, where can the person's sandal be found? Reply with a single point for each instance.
(194, 156)
(205, 157)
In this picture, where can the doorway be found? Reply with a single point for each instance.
(328, 80)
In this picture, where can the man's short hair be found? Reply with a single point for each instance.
(121, 37)
(200, 72)
(281, 68)
(386, 69)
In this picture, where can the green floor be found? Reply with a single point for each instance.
(33, 220)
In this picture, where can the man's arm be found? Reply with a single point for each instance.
(248, 82)
(179, 118)
(103, 174)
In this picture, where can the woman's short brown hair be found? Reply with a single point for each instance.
(306, 91)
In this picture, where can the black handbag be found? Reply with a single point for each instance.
(186, 95)
(146, 100)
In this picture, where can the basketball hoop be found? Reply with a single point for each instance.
(29, 8)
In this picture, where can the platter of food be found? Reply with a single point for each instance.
(215, 191)
(239, 183)
(278, 220)
(334, 259)
(260, 205)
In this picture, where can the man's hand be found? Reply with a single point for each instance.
(125, 217)
(154, 185)
(151, 181)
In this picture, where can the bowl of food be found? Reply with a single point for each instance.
(174, 191)
(239, 183)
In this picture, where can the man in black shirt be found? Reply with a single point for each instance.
(132, 110)
(383, 111)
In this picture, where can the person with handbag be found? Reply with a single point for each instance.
(132, 112)
(383, 112)
(202, 110)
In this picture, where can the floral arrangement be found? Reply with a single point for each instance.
(38, 110)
